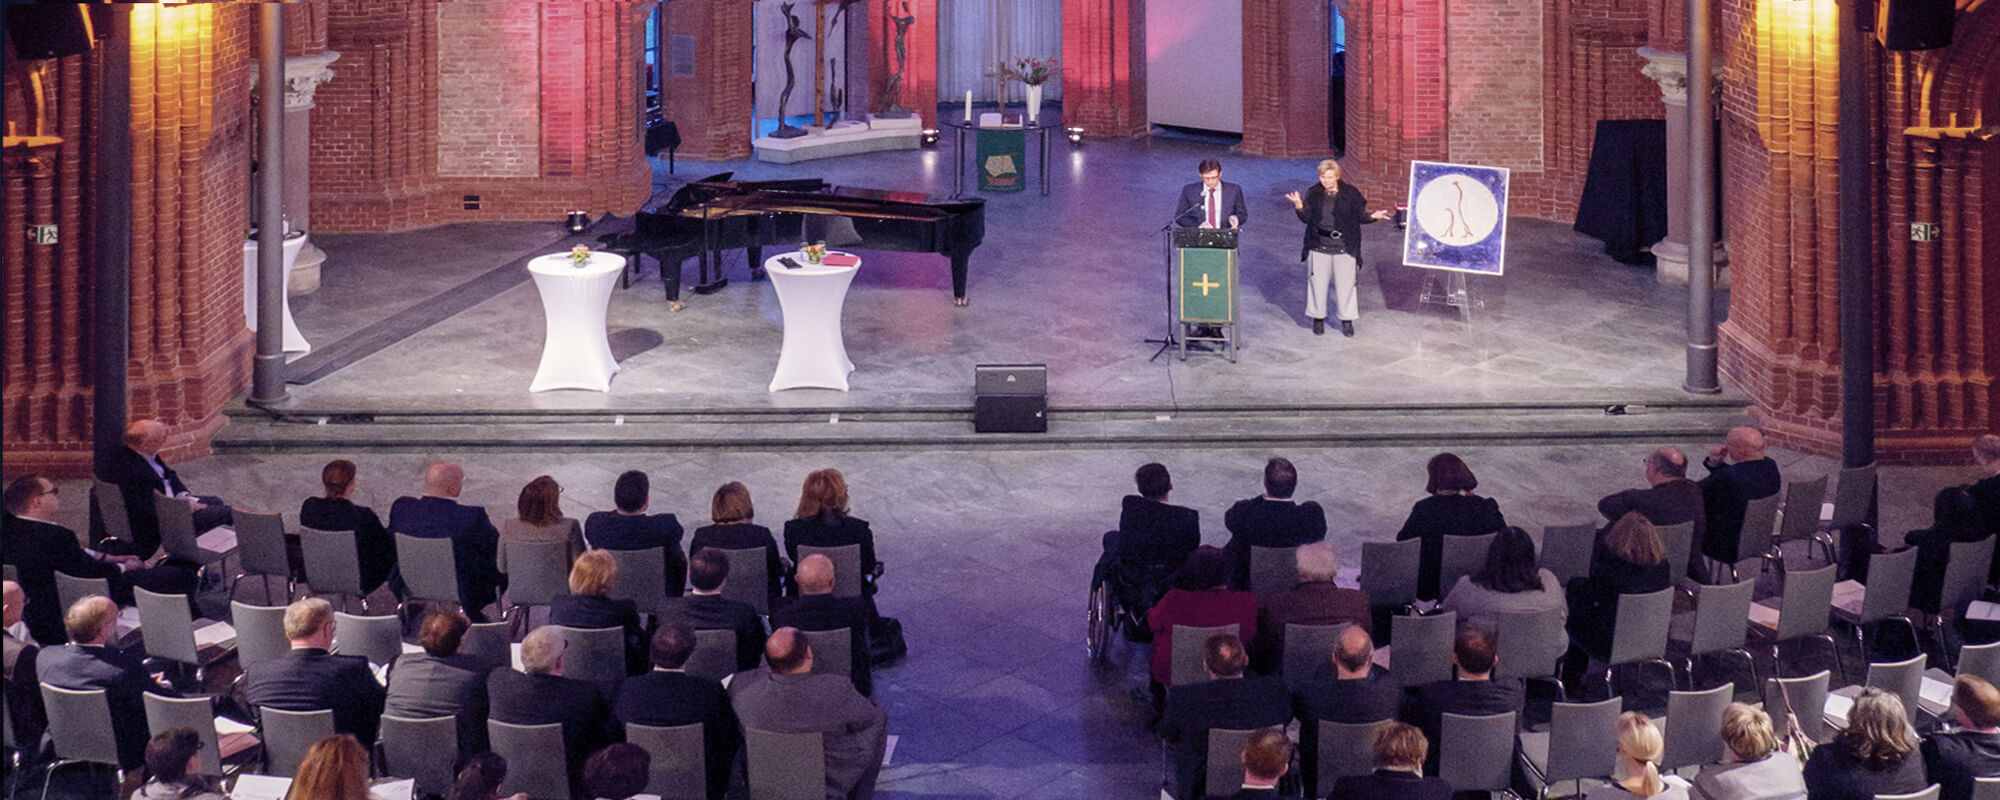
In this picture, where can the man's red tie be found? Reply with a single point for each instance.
(1214, 210)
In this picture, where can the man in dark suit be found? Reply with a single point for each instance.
(1986, 492)
(474, 541)
(1668, 499)
(787, 697)
(1211, 202)
(816, 609)
(311, 677)
(1400, 753)
(90, 662)
(1738, 472)
(1154, 538)
(1271, 520)
(540, 695)
(38, 548)
(1354, 692)
(138, 472)
(1954, 759)
(1266, 757)
(23, 698)
(668, 696)
(439, 682)
(1314, 600)
(1229, 699)
(705, 609)
(1475, 692)
(631, 528)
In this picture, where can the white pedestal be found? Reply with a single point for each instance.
(576, 353)
(295, 342)
(814, 354)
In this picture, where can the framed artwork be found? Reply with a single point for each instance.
(1457, 219)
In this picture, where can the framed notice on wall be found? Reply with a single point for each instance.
(1458, 218)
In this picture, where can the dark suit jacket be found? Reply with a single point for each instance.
(1986, 495)
(839, 533)
(309, 679)
(1269, 523)
(598, 611)
(22, 695)
(1426, 707)
(1152, 533)
(666, 698)
(1383, 784)
(824, 612)
(1593, 599)
(38, 550)
(1252, 794)
(372, 542)
(123, 677)
(1441, 515)
(1670, 503)
(609, 530)
(136, 481)
(708, 612)
(1234, 704)
(1190, 208)
(1326, 697)
(519, 698)
(422, 685)
(1954, 759)
(474, 542)
(743, 536)
(1308, 603)
(1724, 493)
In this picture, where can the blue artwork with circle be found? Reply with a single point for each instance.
(1457, 218)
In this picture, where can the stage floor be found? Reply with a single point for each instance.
(1073, 280)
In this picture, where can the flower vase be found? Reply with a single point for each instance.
(1034, 102)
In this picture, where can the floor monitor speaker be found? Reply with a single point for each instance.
(1010, 398)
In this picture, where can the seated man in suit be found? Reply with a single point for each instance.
(667, 697)
(1953, 759)
(89, 661)
(631, 528)
(1475, 692)
(439, 682)
(1738, 472)
(311, 677)
(786, 697)
(1154, 538)
(39, 548)
(138, 472)
(1355, 692)
(474, 541)
(1668, 499)
(23, 699)
(705, 609)
(1400, 752)
(1229, 700)
(816, 609)
(1266, 757)
(1314, 600)
(540, 695)
(1271, 519)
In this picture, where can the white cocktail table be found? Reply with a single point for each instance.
(295, 342)
(814, 354)
(576, 354)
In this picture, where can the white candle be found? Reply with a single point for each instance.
(968, 106)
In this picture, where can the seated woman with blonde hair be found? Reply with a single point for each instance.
(1755, 769)
(589, 604)
(1640, 746)
(1875, 754)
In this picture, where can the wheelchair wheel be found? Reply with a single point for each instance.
(1099, 619)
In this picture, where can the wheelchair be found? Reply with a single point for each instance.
(1121, 594)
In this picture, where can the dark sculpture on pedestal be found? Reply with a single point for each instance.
(793, 33)
(893, 89)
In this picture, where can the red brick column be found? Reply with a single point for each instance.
(1286, 45)
(711, 107)
(919, 89)
(1104, 66)
(375, 134)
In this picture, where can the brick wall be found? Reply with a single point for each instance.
(490, 118)
(1104, 66)
(712, 107)
(1285, 53)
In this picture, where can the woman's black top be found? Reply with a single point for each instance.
(838, 532)
(593, 611)
(1833, 773)
(1593, 598)
(375, 547)
(743, 536)
(1347, 212)
(1441, 515)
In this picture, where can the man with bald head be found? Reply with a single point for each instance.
(1738, 472)
(816, 609)
(1668, 499)
(786, 697)
(539, 694)
(90, 661)
(474, 541)
(138, 472)
(24, 701)
(1354, 691)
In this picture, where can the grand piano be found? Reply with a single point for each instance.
(714, 214)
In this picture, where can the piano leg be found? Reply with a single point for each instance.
(756, 252)
(670, 276)
(711, 281)
(958, 279)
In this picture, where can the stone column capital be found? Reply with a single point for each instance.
(1669, 69)
(303, 75)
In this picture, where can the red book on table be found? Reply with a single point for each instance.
(840, 260)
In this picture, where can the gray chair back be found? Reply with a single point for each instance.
(1188, 643)
(1307, 648)
(1224, 775)
(1476, 753)
(1808, 601)
(1982, 660)
(260, 633)
(260, 546)
(1463, 555)
(332, 562)
(194, 713)
(1389, 571)
(1272, 570)
(489, 643)
(1802, 505)
(1900, 678)
(594, 654)
(1760, 517)
(1927, 793)
(177, 535)
(379, 639)
(70, 588)
(1803, 697)
(1719, 612)
(1889, 579)
(714, 654)
(679, 769)
(1852, 497)
(750, 578)
(1345, 748)
(642, 578)
(1965, 572)
(1421, 649)
(1640, 631)
(1566, 550)
(538, 572)
(429, 573)
(1693, 727)
(423, 749)
(1986, 789)
(846, 567)
(289, 734)
(1679, 541)
(784, 766)
(167, 625)
(1579, 746)
(1530, 644)
(80, 725)
(111, 510)
(536, 763)
(833, 651)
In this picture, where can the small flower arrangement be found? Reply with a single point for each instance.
(1031, 71)
(815, 253)
(578, 255)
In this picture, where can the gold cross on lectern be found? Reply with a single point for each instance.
(1205, 284)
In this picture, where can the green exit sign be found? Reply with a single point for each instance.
(42, 234)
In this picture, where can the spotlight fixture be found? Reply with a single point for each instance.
(578, 220)
(1075, 135)
(930, 137)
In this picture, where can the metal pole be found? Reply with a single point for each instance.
(111, 279)
(267, 375)
(1857, 246)
(1701, 356)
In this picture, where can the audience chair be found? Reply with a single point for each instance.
(1566, 550)
(1307, 648)
(1576, 746)
(194, 713)
(1986, 789)
(260, 633)
(288, 735)
(1804, 698)
(1807, 603)
(642, 578)
(1476, 753)
(1639, 633)
(1719, 612)
(423, 749)
(833, 652)
(537, 574)
(1980, 659)
(261, 551)
(80, 729)
(109, 502)
(380, 639)
(784, 766)
(429, 572)
(1927, 793)
(70, 588)
(1345, 748)
(1679, 539)
(1964, 578)
(1531, 645)
(1853, 502)
(333, 565)
(749, 581)
(1188, 642)
(1760, 516)
(679, 759)
(846, 560)
(177, 535)
(1224, 773)
(594, 654)
(1885, 599)
(536, 763)
(1693, 727)
(168, 628)
(1799, 519)
(1272, 570)
(1463, 555)
(714, 654)
(1389, 572)
(489, 644)
(1904, 679)
(1422, 652)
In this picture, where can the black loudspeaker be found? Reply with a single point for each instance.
(49, 30)
(1010, 398)
(1917, 24)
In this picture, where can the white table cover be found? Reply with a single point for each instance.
(814, 355)
(576, 354)
(295, 342)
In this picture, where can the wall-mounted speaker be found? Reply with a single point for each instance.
(49, 30)
(1916, 24)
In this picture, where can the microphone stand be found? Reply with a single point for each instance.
(1168, 260)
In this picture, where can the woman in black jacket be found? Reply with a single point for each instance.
(1450, 510)
(1333, 211)
(822, 521)
(337, 511)
(589, 605)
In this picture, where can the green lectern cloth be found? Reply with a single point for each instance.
(1003, 158)
(1207, 284)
